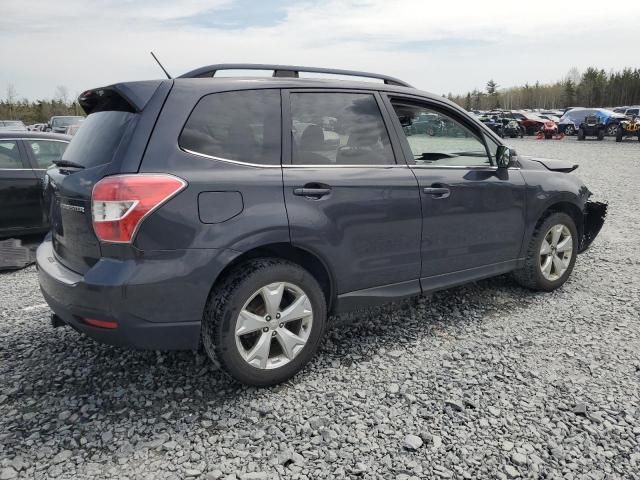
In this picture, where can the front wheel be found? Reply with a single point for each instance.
(551, 254)
(601, 134)
(569, 130)
(619, 134)
(581, 134)
(612, 130)
(265, 321)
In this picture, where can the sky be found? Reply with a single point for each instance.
(441, 47)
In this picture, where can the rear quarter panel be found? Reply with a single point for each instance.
(177, 224)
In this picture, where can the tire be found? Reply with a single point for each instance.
(619, 134)
(601, 134)
(522, 132)
(612, 130)
(569, 130)
(548, 136)
(580, 134)
(531, 275)
(232, 296)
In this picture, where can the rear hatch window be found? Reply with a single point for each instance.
(97, 142)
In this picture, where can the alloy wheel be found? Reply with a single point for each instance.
(556, 252)
(274, 325)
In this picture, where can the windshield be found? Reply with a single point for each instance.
(66, 121)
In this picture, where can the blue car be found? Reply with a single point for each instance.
(573, 118)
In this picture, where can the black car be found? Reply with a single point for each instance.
(592, 126)
(24, 158)
(185, 212)
(493, 123)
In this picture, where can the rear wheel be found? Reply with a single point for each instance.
(551, 254)
(580, 134)
(612, 130)
(265, 322)
(570, 130)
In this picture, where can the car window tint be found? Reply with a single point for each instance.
(338, 129)
(242, 126)
(438, 139)
(46, 151)
(10, 155)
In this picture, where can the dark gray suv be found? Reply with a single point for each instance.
(238, 213)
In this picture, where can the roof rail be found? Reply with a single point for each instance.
(290, 71)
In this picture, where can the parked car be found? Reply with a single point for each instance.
(592, 126)
(628, 128)
(549, 129)
(181, 215)
(37, 127)
(59, 123)
(628, 111)
(72, 129)
(571, 120)
(512, 128)
(531, 122)
(493, 123)
(12, 125)
(24, 157)
(549, 117)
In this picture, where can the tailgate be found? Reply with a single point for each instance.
(109, 142)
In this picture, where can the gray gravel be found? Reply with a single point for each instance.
(482, 381)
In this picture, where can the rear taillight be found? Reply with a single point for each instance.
(120, 203)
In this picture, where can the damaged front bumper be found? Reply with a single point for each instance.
(594, 215)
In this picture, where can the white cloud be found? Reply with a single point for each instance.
(449, 46)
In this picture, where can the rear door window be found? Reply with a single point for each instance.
(336, 128)
(45, 152)
(243, 126)
(100, 138)
(10, 155)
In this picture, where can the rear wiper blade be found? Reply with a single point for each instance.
(67, 163)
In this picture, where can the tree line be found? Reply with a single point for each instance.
(591, 88)
(37, 111)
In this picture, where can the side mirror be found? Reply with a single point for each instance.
(504, 156)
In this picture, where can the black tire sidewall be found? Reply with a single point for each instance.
(554, 219)
(227, 312)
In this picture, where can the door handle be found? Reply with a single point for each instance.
(311, 192)
(437, 192)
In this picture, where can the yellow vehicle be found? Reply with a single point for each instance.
(628, 128)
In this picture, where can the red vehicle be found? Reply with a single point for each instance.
(549, 130)
(531, 123)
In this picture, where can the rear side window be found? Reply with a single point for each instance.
(46, 152)
(101, 136)
(243, 126)
(9, 155)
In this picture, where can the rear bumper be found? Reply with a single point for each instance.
(157, 301)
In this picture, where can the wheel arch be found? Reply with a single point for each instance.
(564, 206)
(286, 251)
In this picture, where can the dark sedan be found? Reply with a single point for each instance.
(24, 158)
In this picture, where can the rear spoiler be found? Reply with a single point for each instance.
(125, 97)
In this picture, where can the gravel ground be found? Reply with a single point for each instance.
(482, 381)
